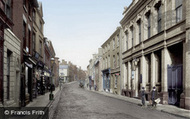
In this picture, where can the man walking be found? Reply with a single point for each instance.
(143, 96)
(154, 96)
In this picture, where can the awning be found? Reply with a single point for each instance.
(28, 64)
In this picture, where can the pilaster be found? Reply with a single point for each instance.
(143, 71)
(153, 70)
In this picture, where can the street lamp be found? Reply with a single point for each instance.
(51, 96)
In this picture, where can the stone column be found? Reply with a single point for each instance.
(166, 60)
(186, 58)
(124, 75)
(153, 70)
(143, 70)
(129, 77)
(136, 81)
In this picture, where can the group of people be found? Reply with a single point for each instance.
(154, 96)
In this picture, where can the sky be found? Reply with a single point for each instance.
(77, 28)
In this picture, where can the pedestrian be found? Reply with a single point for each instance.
(143, 96)
(60, 85)
(154, 96)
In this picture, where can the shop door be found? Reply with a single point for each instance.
(175, 84)
(104, 82)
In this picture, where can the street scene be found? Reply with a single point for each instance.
(94, 59)
(78, 103)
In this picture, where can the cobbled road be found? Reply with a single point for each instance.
(78, 103)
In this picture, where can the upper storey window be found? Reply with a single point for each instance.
(127, 37)
(132, 36)
(159, 16)
(139, 27)
(178, 8)
(24, 2)
(8, 7)
(149, 24)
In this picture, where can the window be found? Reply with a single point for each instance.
(24, 35)
(106, 62)
(118, 40)
(34, 15)
(116, 81)
(114, 61)
(40, 27)
(24, 2)
(178, 7)
(8, 8)
(149, 24)
(33, 41)
(29, 39)
(132, 36)
(8, 73)
(29, 8)
(139, 26)
(109, 61)
(127, 35)
(159, 23)
(40, 48)
(118, 59)
(114, 43)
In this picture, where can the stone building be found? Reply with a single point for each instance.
(11, 69)
(63, 71)
(98, 71)
(5, 26)
(156, 49)
(56, 71)
(111, 62)
(38, 46)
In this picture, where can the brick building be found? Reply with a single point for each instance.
(23, 29)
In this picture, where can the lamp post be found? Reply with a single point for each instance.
(51, 96)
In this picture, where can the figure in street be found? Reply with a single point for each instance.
(143, 96)
(154, 96)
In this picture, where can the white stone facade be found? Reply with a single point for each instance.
(11, 69)
(156, 40)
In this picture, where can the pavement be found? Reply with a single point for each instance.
(160, 107)
(43, 101)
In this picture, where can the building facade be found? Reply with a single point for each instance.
(56, 71)
(5, 25)
(106, 65)
(156, 49)
(22, 19)
(63, 72)
(11, 69)
(38, 46)
(98, 71)
(112, 62)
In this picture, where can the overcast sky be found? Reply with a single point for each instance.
(77, 28)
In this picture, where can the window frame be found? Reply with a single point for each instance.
(127, 38)
(148, 16)
(179, 9)
(139, 27)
